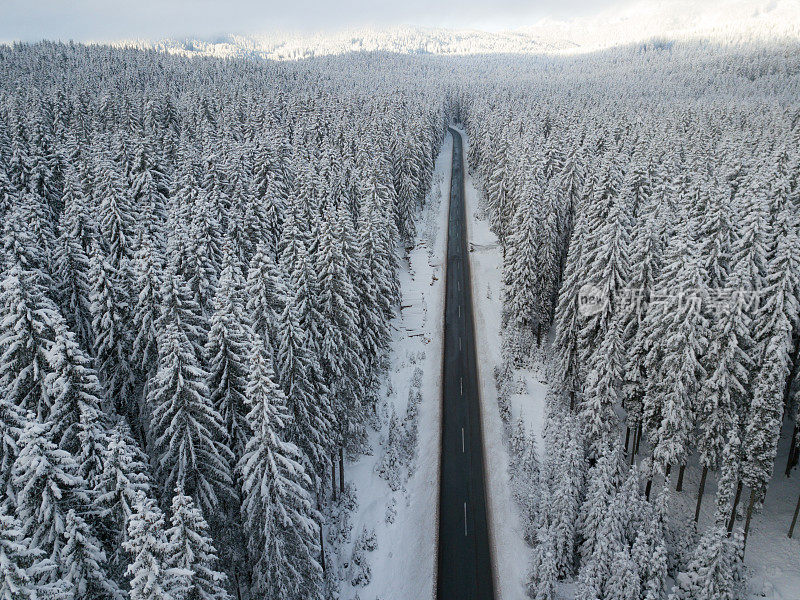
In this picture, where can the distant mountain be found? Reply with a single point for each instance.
(629, 22)
(404, 39)
(639, 20)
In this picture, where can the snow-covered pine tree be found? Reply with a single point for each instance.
(20, 566)
(777, 318)
(191, 553)
(227, 350)
(186, 432)
(300, 377)
(151, 577)
(341, 351)
(111, 311)
(602, 391)
(26, 337)
(74, 289)
(115, 218)
(603, 479)
(520, 268)
(146, 308)
(125, 474)
(266, 294)
(47, 486)
(715, 571)
(79, 425)
(83, 563)
(278, 513)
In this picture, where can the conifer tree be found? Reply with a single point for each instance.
(186, 431)
(19, 564)
(47, 487)
(191, 553)
(226, 354)
(110, 309)
(125, 475)
(276, 507)
(76, 414)
(82, 563)
(151, 577)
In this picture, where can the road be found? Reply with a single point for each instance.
(464, 560)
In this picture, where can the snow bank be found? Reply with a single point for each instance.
(403, 564)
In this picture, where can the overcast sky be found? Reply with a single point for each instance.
(104, 20)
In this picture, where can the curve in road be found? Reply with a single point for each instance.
(464, 570)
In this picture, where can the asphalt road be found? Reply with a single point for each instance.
(464, 560)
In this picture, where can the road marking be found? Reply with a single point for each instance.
(459, 342)
(462, 386)
(465, 519)
(462, 440)
(459, 285)
(459, 311)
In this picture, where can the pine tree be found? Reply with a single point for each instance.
(83, 561)
(17, 560)
(74, 290)
(520, 267)
(76, 414)
(226, 355)
(114, 212)
(265, 294)
(186, 431)
(191, 553)
(542, 585)
(180, 310)
(602, 482)
(151, 578)
(715, 570)
(26, 337)
(306, 395)
(147, 309)
(341, 351)
(110, 308)
(624, 583)
(277, 508)
(48, 486)
(124, 476)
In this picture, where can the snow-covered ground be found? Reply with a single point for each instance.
(511, 554)
(403, 564)
(771, 558)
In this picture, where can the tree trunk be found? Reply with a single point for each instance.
(700, 493)
(667, 473)
(627, 438)
(794, 519)
(239, 587)
(572, 400)
(790, 462)
(647, 489)
(735, 505)
(322, 550)
(333, 478)
(341, 469)
(679, 487)
(538, 335)
(635, 444)
(749, 515)
(638, 438)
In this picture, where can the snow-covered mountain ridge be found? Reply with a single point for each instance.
(629, 22)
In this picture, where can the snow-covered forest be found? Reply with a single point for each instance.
(646, 201)
(200, 265)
